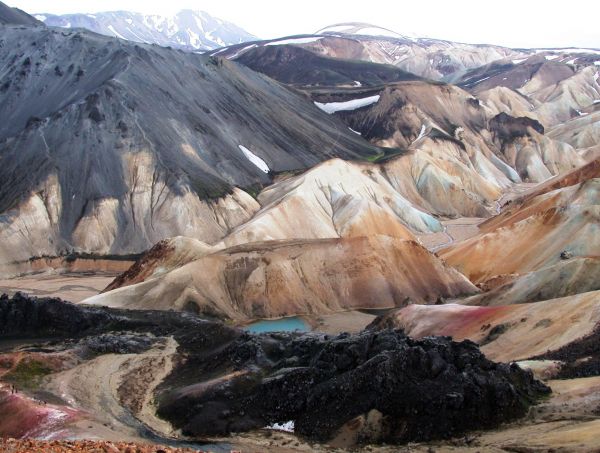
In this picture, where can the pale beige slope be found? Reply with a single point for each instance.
(346, 199)
(503, 99)
(281, 278)
(564, 278)
(560, 102)
(442, 178)
(464, 130)
(533, 235)
(334, 199)
(537, 157)
(582, 132)
(432, 59)
(32, 228)
(527, 329)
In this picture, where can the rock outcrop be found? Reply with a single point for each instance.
(363, 388)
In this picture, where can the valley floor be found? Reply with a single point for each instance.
(74, 287)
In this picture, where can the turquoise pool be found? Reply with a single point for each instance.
(278, 325)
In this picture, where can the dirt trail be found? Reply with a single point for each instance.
(70, 286)
(117, 391)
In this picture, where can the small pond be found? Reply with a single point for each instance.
(290, 324)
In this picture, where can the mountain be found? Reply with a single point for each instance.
(188, 29)
(124, 144)
(15, 16)
(294, 65)
(551, 87)
(557, 222)
(430, 58)
(282, 278)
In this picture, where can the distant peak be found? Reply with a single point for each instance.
(361, 28)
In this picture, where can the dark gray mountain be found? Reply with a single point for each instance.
(107, 146)
(297, 66)
(15, 16)
(189, 30)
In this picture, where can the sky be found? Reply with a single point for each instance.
(513, 23)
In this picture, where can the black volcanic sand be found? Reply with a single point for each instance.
(581, 357)
(228, 380)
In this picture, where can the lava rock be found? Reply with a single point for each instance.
(423, 389)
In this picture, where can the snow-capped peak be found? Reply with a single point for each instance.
(188, 29)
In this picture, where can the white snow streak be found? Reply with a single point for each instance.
(332, 107)
(422, 133)
(287, 426)
(294, 41)
(116, 33)
(261, 164)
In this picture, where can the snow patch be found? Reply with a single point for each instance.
(357, 83)
(422, 133)
(572, 61)
(115, 32)
(356, 132)
(288, 427)
(239, 52)
(551, 57)
(40, 17)
(294, 41)
(261, 164)
(520, 60)
(471, 83)
(332, 107)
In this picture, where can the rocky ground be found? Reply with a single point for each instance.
(84, 446)
(115, 369)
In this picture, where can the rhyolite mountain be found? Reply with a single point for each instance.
(109, 146)
(188, 29)
(431, 58)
